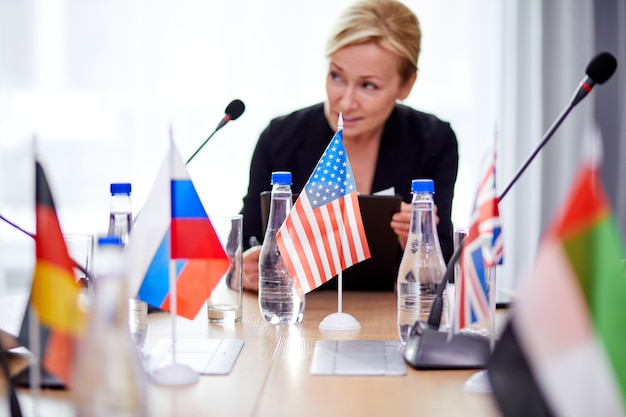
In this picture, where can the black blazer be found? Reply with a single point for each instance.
(414, 145)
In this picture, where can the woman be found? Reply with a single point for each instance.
(373, 52)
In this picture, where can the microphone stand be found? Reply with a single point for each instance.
(9, 222)
(234, 109)
(555, 125)
(427, 347)
(203, 143)
(27, 233)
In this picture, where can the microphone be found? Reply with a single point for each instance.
(234, 109)
(427, 347)
(599, 70)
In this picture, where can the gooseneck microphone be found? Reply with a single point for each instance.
(234, 109)
(427, 347)
(15, 226)
(599, 70)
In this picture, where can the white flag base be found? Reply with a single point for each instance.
(174, 375)
(340, 322)
(478, 383)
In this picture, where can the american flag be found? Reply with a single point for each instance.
(482, 249)
(323, 233)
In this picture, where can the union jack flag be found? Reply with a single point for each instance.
(482, 249)
(323, 233)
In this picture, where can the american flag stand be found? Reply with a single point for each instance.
(327, 209)
(340, 321)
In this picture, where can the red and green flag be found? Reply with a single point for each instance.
(563, 351)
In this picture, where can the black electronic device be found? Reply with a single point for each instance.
(379, 272)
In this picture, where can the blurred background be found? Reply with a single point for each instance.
(96, 87)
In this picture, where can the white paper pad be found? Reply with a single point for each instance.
(205, 356)
(358, 357)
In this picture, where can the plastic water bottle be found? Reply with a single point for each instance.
(120, 225)
(121, 211)
(422, 266)
(108, 376)
(278, 299)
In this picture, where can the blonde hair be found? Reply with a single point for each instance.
(388, 23)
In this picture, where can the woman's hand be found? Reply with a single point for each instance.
(401, 221)
(251, 268)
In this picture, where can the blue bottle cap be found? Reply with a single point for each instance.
(109, 241)
(421, 186)
(121, 188)
(281, 177)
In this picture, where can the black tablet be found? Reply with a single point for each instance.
(379, 272)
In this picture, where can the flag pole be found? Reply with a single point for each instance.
(173, 305)
(340, 292)
(478, 382)
(343, 233)
(174, 374)
(340, 321)
(35, 361)
(34, 332)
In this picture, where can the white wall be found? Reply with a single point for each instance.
(100, 83)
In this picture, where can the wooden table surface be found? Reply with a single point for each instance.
(271, 376)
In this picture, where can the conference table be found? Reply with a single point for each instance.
(271, 376)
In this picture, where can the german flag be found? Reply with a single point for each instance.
(54, 294)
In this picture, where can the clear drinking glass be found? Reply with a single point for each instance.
(138, 321)
(460, 233)
(485, 327)
(224, 304)
(80, 247)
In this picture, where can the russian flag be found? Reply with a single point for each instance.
(174, 227)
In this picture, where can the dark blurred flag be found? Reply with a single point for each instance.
(562, 353)
(54, 294)
(323, 233)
